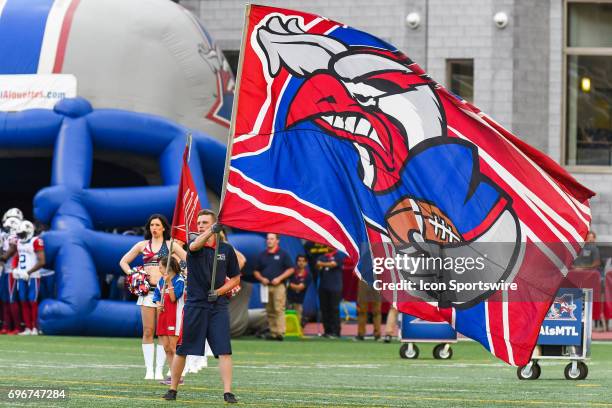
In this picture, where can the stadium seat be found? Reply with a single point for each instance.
(589, 279)
(608, 296)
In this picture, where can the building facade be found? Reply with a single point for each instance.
(543, 69)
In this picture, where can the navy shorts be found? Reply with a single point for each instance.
(201, 324)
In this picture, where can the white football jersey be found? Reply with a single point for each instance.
(7, 240)
(26, 251)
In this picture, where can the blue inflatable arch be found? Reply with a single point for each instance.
(74, 247)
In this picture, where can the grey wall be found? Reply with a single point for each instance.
(518, 69)
(224, 19)
(530, 66)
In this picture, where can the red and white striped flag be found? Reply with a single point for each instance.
(340, 138)
(187, 204)
(185, 219)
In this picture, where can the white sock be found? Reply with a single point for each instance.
(148, 351)
(160, 359)
(187, 364)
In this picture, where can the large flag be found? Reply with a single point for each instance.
(341, 139)
(187, 205)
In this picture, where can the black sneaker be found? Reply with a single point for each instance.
(279, 338)
(230, 398)
(388, 339)
(359, 338)
(170, 395)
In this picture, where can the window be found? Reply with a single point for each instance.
(588, 84)
(460, 78)
(232, 59)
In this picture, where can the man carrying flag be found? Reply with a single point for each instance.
(205, 315)
(342, 139)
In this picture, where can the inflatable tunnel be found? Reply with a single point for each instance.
(76, 248)
(149, 56)
(152, 72)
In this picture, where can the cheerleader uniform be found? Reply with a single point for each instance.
(170, 319)
(151, 258)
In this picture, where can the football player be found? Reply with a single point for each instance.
(11, 319)
(12, 213)
(31, 252)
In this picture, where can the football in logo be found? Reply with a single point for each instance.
(411, 221)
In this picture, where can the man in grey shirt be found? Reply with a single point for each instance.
(589, 256)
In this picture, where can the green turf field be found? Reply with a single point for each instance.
(108, 372)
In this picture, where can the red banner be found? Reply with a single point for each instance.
(187, 205)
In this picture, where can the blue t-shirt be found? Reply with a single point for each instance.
(331, 278)
(177, 282)
(199, 273)
(273, 264)
(298, 297)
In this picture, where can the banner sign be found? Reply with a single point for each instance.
(20, 92)
(563, 322)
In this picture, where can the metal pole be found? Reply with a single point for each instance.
(188, 145)
(230, 141)
(214, 271)
(167, 269)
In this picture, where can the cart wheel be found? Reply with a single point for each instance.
(580, 373)
(443, 352)
(530, 371)
(406, 352)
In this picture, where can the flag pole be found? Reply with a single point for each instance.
(230, 143)
(188, 146)
(230, 139)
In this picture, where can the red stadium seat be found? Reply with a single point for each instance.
(588, 279)
(608, 296)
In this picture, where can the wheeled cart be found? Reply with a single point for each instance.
(565, 335)
(415, 330)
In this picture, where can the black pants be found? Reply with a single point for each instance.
(330, 311)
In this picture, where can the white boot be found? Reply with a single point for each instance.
(26, 332)
(196, 364)
(193, 366)
(34, 332)
(160, 359)
(202, 362)
(148, 351)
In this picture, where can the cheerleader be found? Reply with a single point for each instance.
(169, 299)
(155, 246)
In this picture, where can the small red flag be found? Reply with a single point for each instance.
(185, 219)
(187, 205)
